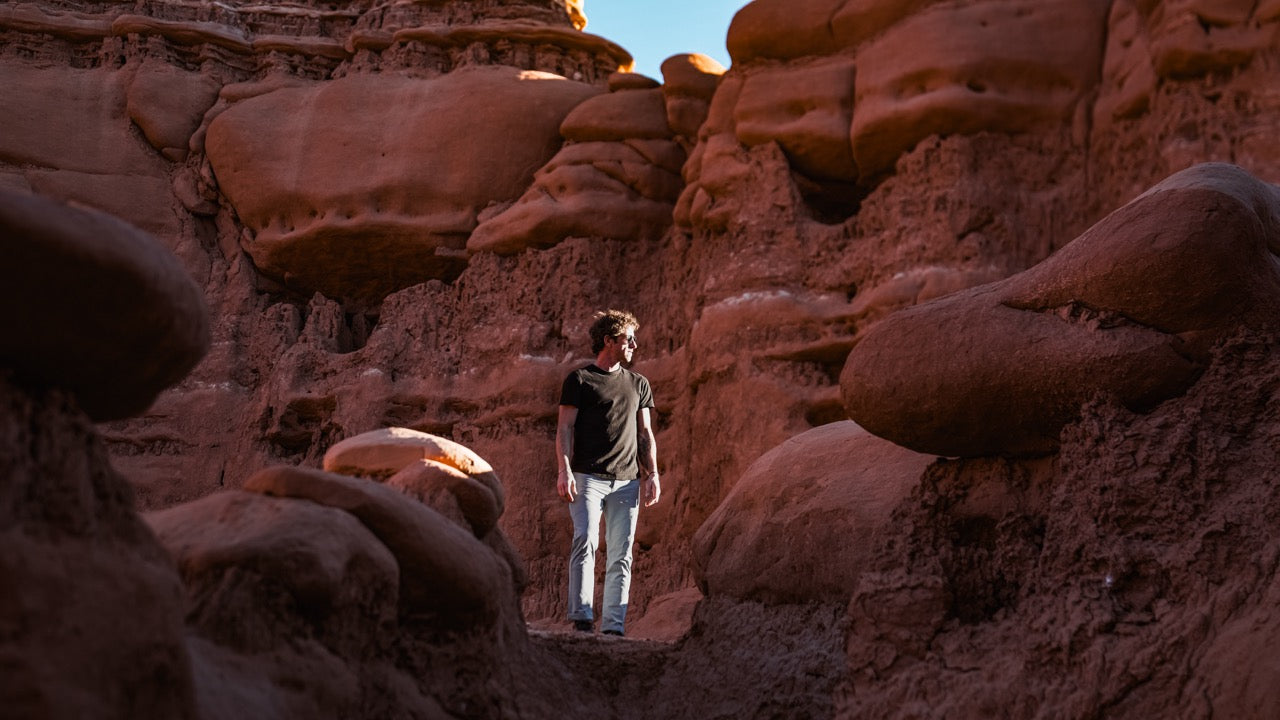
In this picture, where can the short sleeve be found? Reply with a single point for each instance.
(571, 390)
(646, 394)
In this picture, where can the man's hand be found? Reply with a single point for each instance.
(567, 486)
(651, 490)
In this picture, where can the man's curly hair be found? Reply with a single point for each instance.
(611, 323)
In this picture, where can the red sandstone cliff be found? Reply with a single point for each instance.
(404, 214)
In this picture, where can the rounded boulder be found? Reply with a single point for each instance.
(102, 308)
(445, 572)
(800, 524)
(258, 570)
(1129, 310)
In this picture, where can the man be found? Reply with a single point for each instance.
(608, 461)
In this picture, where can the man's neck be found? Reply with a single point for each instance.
(607, 363)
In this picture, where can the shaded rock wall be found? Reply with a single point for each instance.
(1125, 572)
(92, 613)
(1113, 577)
(824, 191)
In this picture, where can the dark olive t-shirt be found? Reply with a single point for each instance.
(604, 435)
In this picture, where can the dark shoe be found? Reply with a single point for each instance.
(611, 632)
(583, 625)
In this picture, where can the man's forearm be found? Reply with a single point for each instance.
(564, 448)
(648, 455)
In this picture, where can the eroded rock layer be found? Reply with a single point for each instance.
(327, 111)
(347, 187)
(777, 261)
(859, 158)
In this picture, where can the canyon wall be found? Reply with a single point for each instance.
(357, 189)
(403, 215)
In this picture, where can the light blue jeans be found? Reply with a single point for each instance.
(619, 502)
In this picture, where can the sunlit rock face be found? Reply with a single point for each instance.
(986, 66)
(907, 71)
(310, 156)
(806, 112)
(618, 175)
(363, 185)
(913, 69)
(859, 83)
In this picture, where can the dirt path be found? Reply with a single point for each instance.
(741, 660)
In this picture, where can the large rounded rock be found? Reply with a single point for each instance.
(690, 75)
(445, 572)
(618, 116)
(989, 65)
(782, 30)
(923, 68)
(689, 80)
(807, 111)
(102, 309)
(799, 525)
(260, 571)
(359, 209)
(1130, 309)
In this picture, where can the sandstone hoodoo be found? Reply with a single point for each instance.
(1114, 313)
(109, 313)
(103, 319)
(959, 319)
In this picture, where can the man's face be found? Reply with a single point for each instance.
(623, 346)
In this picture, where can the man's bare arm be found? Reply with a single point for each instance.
(566, 486)
(651, 486)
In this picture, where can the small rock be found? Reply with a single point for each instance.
(450, 492)
(379, 454)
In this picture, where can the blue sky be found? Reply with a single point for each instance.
(654, 30)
